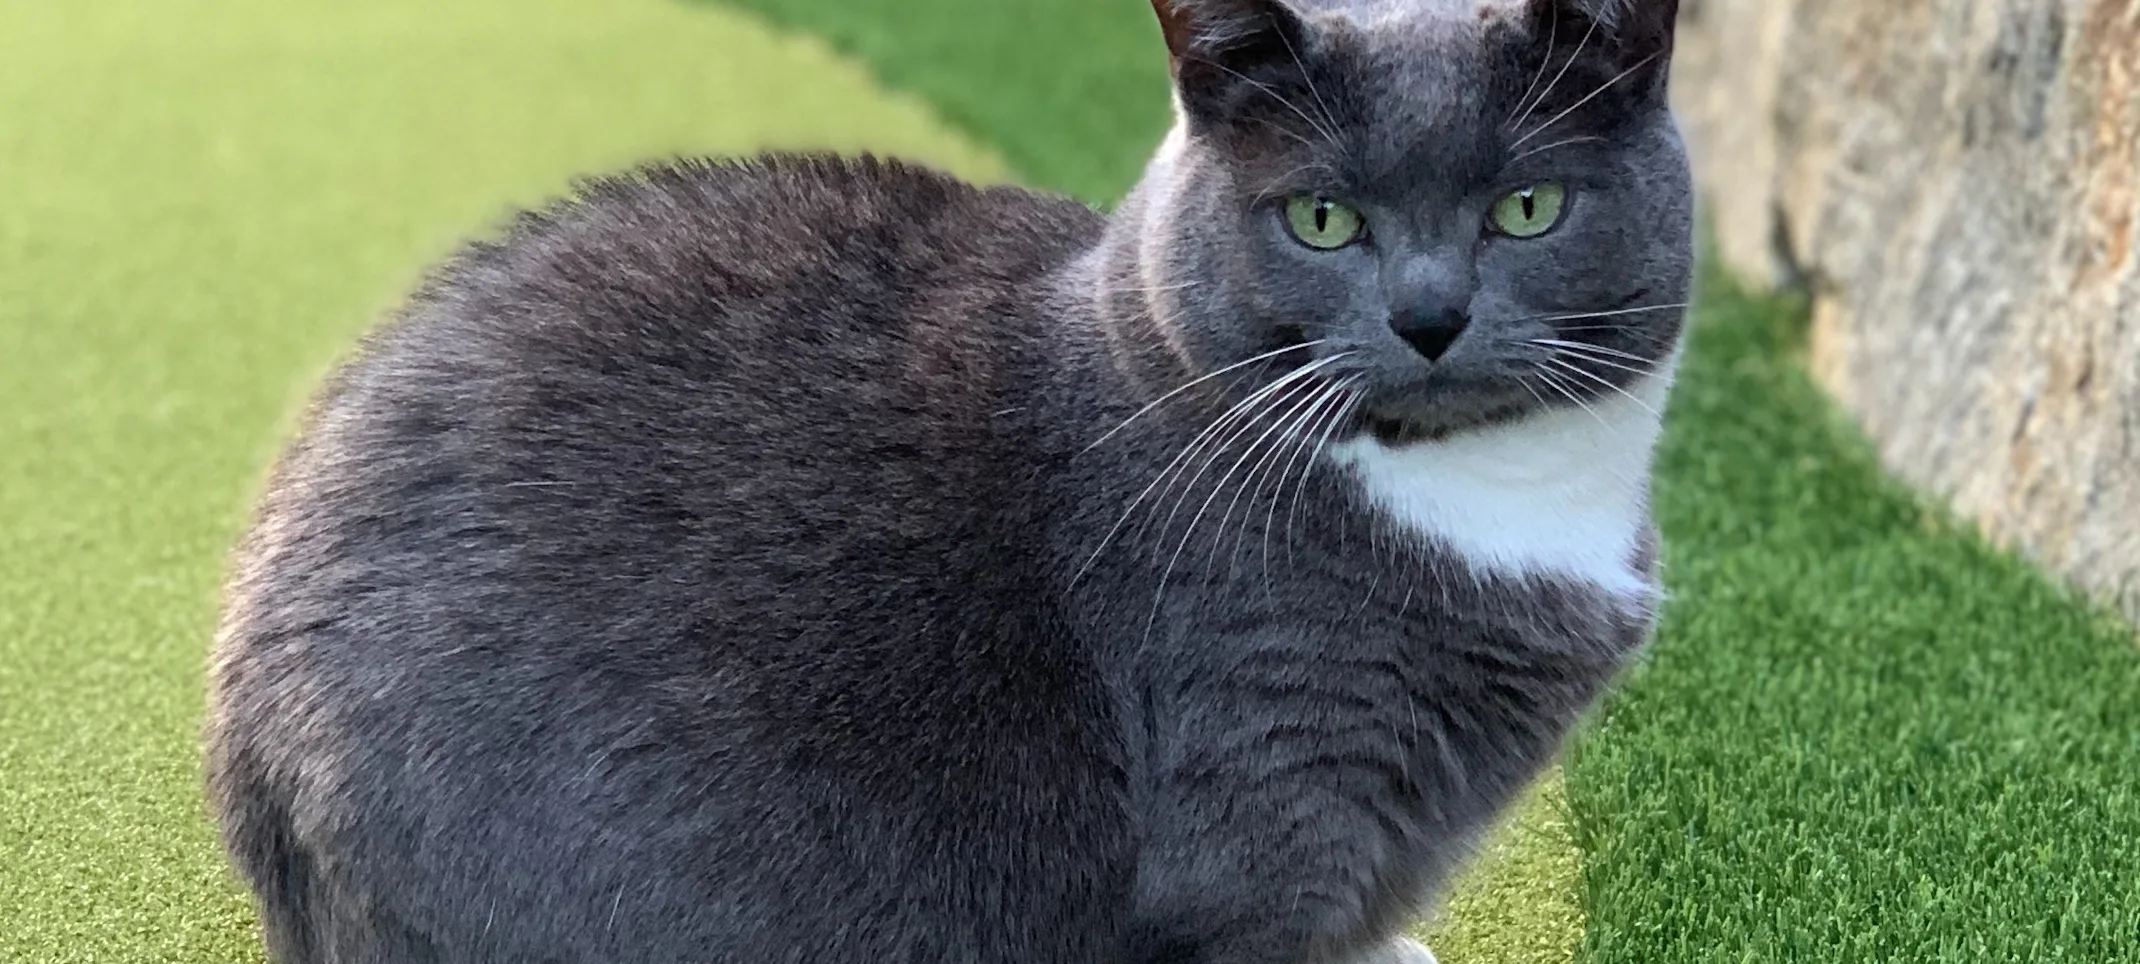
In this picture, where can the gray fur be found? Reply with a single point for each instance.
(746, 562)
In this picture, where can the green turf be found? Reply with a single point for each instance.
(1864, 736)
(1074, 92)
(1521, 901)
(200, 203)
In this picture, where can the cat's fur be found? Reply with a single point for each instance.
(780, 561)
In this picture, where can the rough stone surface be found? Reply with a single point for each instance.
(1954, 182)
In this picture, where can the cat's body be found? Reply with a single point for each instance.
(808, 560)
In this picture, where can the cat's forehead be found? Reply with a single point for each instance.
(1416, 45)
(1413, 15)
(1422, 73)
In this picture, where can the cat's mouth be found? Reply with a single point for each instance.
(1397, 422)
(1396, 431)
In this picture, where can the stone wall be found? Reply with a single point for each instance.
(1954, 182)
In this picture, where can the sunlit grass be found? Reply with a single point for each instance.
(1864, 735)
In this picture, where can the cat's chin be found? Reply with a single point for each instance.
(1397, 432)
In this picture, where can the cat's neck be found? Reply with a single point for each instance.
(1120, 288)
(1563, 493)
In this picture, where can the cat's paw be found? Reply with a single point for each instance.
(1403, 950)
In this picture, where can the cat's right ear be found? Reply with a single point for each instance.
(1232, 58)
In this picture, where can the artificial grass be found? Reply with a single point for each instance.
(200, 204)
(1864, 734)
(1074, 92)
(1521, 900)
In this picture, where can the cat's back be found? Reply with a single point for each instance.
(799, 272)
(781, 358)
(753, 373)
(678, 514)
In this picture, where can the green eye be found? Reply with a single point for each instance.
(1321, 223)
(1530, 212)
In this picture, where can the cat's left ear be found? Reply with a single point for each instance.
(1233, 57)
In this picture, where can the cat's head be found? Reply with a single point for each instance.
(1467, 210)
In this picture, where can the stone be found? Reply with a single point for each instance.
(1956, 186)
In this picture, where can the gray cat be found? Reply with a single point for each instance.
(817, 560)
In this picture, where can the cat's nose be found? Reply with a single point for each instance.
(1430, 331)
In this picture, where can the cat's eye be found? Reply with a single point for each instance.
(1530, 212)
(1321, 223)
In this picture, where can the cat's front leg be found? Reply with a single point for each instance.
(1282, 812)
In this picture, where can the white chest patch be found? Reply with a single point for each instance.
(1563, 493)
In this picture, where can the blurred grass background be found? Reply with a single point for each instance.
(1073, 92)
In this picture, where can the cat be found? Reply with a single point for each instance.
(808, 559)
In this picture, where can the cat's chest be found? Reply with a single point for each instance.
(1563, 494)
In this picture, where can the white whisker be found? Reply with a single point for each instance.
(1586, 315)
(1196, 444)
(1261, 473)
(1602, 380)
(1548, 92)
(1295, 135)
(1569, 394)
(1307, 468)
(1249, 424)
(1339, 395)
(1288, 422)
(1321, 106)
(1266, 356)
(1595, 349)
(1607, 362)
(1622, 75)
(1561, 143)
(1324, 132)
(1557, 383)
(1160, 589)
(1552, 37)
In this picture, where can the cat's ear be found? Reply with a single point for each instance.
(1628, 37)
(1231, 57)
